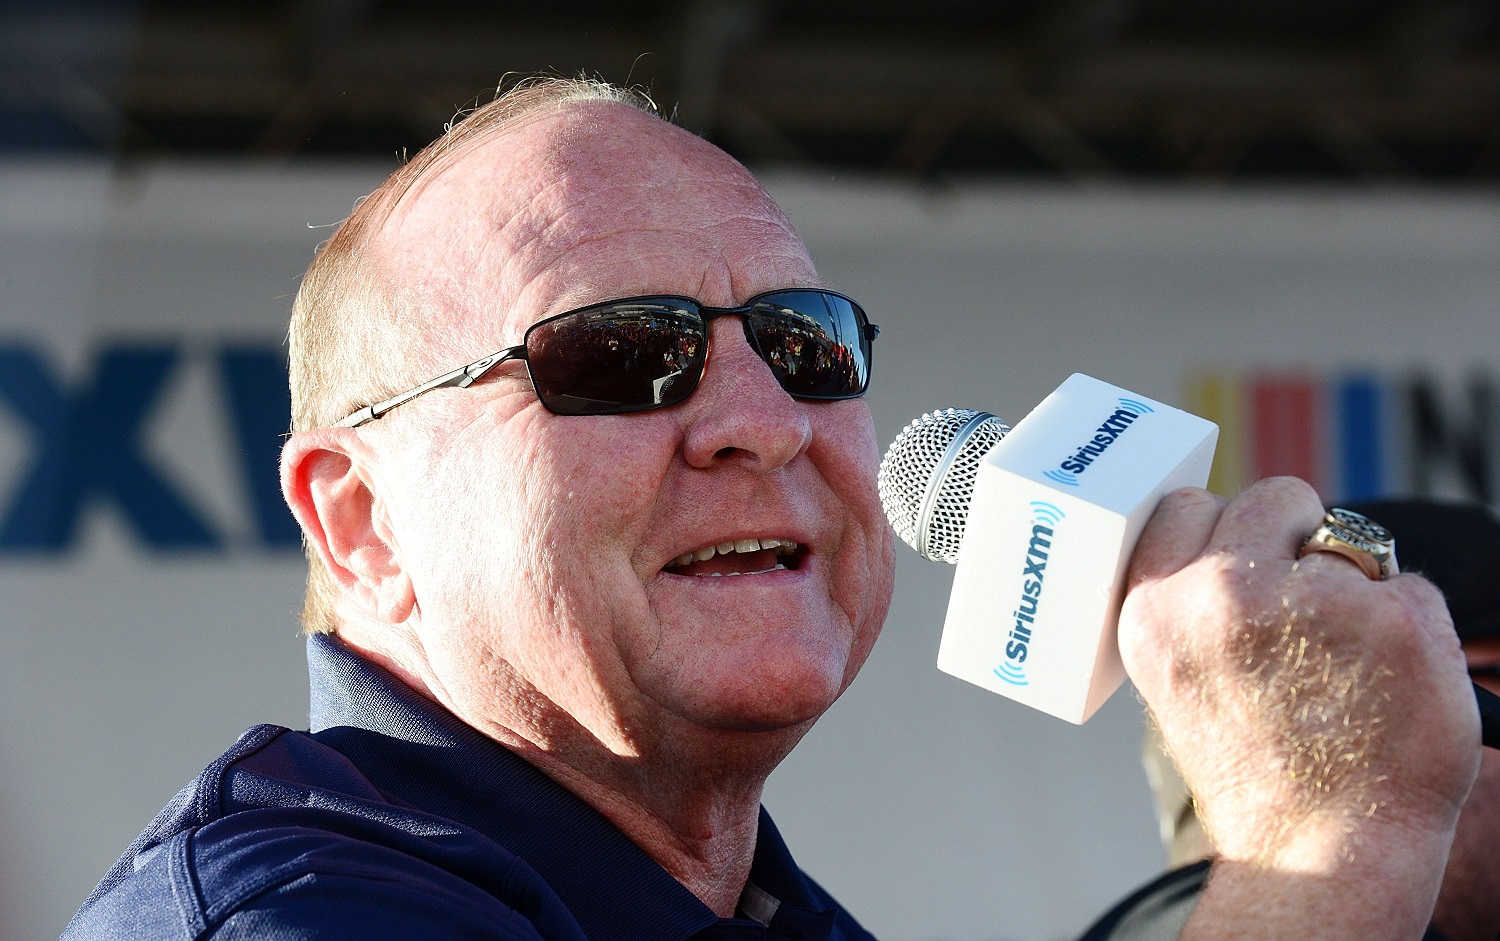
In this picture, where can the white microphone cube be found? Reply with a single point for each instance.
(1059, 504)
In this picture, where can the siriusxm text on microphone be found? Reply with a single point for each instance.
(1012, 668)
(1040, 576)
(1106, 434)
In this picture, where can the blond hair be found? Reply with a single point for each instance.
(348, 344)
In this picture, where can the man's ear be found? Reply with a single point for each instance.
(327, 482)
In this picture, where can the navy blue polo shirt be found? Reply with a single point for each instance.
(392, 819)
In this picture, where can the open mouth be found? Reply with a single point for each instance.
(739, 557)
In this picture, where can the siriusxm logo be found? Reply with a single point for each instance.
(1107, 434)
(1044, 520)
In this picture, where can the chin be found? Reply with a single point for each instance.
(782, 720)
(770, 698)
(750, 680)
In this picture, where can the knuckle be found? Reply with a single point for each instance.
(1190, 498)
(1420, 588)
(1421, 613)
(1293, 490)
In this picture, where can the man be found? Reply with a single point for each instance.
(1458, 547)
(568, 618)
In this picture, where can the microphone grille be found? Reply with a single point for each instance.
(927, 478)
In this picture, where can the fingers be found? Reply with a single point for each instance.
(1176, 534)
(1426, 608)
(1329, 565)
(1270, 520)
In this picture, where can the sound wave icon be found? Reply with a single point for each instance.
(1044, 512)
(1012, 674)
(1136, 407)
(1061, 478)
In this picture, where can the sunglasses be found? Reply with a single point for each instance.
(641, 353)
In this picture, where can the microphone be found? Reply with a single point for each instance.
(927, 478)
(1041, 522)
(948, 468)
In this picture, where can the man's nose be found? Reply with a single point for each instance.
(739, 411)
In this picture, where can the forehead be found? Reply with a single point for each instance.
(588, 202)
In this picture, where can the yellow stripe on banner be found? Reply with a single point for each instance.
(1216, 396)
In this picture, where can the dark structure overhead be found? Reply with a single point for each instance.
(1158, 89)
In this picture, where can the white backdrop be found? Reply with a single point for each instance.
(932, 809)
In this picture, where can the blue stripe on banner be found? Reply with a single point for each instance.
(1361, 445)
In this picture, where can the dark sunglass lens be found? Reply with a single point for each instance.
(623, 357)
(814, 342)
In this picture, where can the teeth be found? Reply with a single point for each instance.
(778, 567)
(780, 546)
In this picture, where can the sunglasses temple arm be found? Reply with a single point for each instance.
(460, 378)
(475, 371)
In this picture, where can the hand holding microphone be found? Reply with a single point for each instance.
(1321, 716)
(945, 476)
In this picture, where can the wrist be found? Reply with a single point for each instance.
(1327, 879)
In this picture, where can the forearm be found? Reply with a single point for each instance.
(1335, 881)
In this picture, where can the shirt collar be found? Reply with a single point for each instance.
(420, 754)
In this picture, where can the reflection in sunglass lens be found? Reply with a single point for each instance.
(813, 343)
(644, 353)
(616, 358)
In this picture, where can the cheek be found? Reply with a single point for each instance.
(592, 483)
(470, 551)
(848, 457)
(569, 509)
(468, 519)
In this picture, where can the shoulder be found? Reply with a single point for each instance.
(283, 837)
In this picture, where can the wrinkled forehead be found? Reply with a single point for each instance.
(589, 202)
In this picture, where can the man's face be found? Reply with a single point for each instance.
(546, 551)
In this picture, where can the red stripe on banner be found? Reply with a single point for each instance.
(1285, 421)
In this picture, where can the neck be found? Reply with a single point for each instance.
(705, 840)
(698, 820)
(687, 795)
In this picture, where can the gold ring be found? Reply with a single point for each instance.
(1357, 538)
